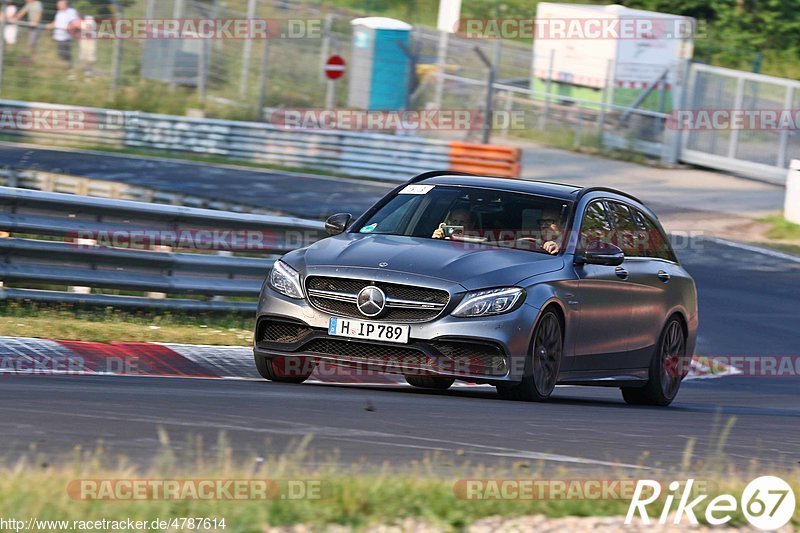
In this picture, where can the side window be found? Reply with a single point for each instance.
(651, 239)
(625, 231)
(595, 225)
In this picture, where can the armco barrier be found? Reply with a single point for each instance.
(374, 155)
(96, 248)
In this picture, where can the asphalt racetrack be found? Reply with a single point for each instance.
(748, 306)
(585, 429)
(302, 195)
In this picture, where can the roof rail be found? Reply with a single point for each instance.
(586, 190)
(437, 173)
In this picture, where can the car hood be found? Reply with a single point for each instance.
(471, 266)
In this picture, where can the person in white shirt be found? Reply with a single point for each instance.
(10, 30)
(66, 21)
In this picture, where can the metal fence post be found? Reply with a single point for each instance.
(733, 143)
(783, 146)
(2, 51)
(441, 64)
(487, 121)
(325, 51)
(116, 58)
(201, 72)
(601, 120)
(263, 77)
(576, 142)
(247, 52)
(548, 88)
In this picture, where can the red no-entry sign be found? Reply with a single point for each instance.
(335, 67)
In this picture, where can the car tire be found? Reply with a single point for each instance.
(543, 364)
(430, 382)
(668, 367)
(284, 369)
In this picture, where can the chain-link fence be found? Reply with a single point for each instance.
(249, 78)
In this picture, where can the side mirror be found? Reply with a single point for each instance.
(601, 253)
(337, 223)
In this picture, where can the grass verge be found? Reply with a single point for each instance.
(784, 235)
(114, 325)
(357, 496)
(781, 229)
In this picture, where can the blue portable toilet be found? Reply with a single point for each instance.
(379, 68)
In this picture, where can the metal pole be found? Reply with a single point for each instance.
(325, 51)
(201, 72)
(487, 122)
(330, 94)
(733, 142)
(116, 58)
(548, 88)
(2, 51)
(262, 79)
(441, 63)
(601, 120)
(578, 127)
(177, 14)
(247, 52)
(150, 10)
(784, 141)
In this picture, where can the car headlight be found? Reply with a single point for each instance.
(285, 280)
(489, 302)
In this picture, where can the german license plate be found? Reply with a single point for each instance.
(356, 329)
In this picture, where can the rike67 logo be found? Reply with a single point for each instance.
(767, 502)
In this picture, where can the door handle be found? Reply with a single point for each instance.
(621, 272)
(663, 276)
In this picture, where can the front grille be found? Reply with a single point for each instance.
(419, 296)
(373, 353)
(282, 332)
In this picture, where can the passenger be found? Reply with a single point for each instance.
(458, 217)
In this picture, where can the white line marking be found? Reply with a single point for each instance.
(757, 249)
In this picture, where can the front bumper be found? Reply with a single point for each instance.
(484, 350)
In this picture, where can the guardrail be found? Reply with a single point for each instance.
(55, 182)
(376, 155)
(53, 240)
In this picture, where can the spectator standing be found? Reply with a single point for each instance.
(9, 16)
(33, 9)
(63, 25)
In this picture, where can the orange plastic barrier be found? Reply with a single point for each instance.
(488, 159)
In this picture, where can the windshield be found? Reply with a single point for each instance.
(473, 215)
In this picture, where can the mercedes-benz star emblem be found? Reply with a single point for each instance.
(371, 301)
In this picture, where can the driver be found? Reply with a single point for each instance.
(550, 230)
(458, 217)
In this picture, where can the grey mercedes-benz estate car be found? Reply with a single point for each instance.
(522, 285)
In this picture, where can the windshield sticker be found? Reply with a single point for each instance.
(416, 189)
(368, 229)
